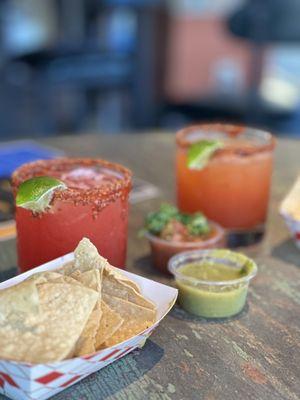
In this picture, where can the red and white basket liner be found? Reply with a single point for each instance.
(25, 381)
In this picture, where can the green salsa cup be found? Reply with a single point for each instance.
(206, 284)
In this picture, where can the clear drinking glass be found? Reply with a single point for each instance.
(94, 205)
(233, 188)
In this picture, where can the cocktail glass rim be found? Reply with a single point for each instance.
(265, 140)
(43, 168)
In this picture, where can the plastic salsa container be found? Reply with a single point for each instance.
(162, 250)
(212, 283)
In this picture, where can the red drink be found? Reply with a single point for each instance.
(94, 205)
(233, 188)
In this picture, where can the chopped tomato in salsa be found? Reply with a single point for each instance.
(170, 224)
(175, 231)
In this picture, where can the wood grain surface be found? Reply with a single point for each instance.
(254, 356)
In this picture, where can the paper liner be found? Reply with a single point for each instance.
(20, 380)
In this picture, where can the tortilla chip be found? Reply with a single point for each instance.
(136, 319)
(86, 344)
(67, 268)
(19, 301)
(53, 277)
(112, 286)
(43, 277)
(109, 324)
(86, 269)
(90, 279)
(87, 257)
(51, 334)
(109, 270)
(84, 306)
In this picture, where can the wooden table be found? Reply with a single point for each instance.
(254, 356)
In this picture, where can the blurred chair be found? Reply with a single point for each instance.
(89, 64)
(267, 21)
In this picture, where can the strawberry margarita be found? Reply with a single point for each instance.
(94, 205)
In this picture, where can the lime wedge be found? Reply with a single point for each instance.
(200, 153)
(36, 194)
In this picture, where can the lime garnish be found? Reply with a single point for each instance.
(199, 153)
(35, 194)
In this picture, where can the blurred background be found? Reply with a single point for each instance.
(111, 66)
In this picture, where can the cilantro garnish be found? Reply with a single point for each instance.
(196, 224)
(156, 221)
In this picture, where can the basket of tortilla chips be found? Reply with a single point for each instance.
(71, 317)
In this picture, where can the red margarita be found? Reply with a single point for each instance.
(94, 205)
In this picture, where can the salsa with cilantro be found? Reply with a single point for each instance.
(170, 232)
(170, 224)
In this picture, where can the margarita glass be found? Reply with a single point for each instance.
(94, 205)
(233, 187)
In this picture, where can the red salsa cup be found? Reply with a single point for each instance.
(162, 250)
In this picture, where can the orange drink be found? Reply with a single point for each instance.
(233, 187)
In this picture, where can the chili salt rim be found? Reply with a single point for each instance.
(99, 196)
(231, 131)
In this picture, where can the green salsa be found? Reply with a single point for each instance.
(210, 271)
(206, 288)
